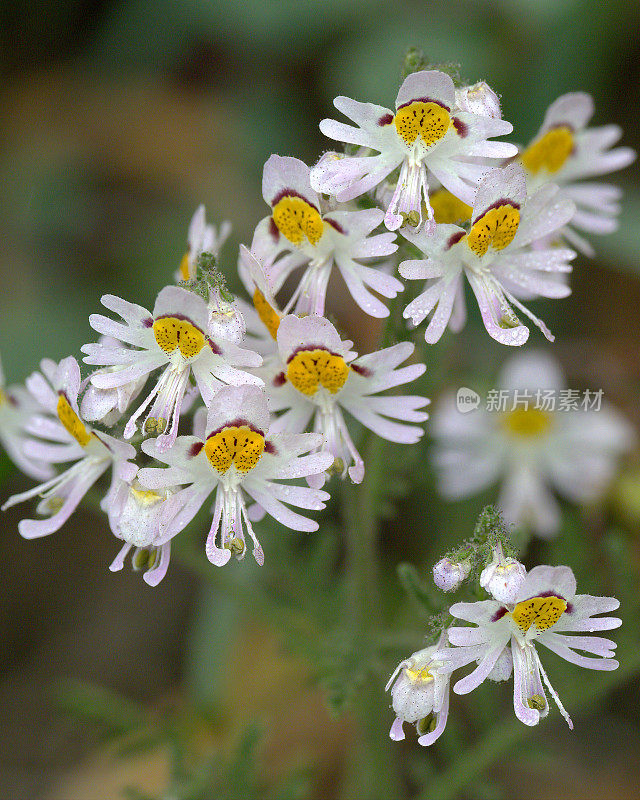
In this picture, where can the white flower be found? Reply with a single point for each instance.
(496, 257)
(566, 152)
(502, 577)
(426, 135)
(135, 514)
(420, 693)
(175, 338)
(16, 407)
(316, 376)
(226, 321)
(237, 455)
(575, 451)
(448, 575)
(304, 232)
(546, 611)
(201, 238)
(67, 438)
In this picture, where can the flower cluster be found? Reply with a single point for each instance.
(266, 389)
(189, 351)
(526, 610)
(253, 406)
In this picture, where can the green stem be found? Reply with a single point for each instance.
(362, 533)
(373, 770)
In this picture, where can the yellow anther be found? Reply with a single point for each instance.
(496, 228)
(427, 724)
(412, 218)
(54, 504)
(72, 422)
(309, 369)
(550, 151)
(268, 315)
(145, 559)
(527, 422)
(172, 333)
(508, 318)
(543, 612)
(337, 467)
(240, 446)
(448, 209)
(297, 219)
(236, 545)
(153, 425)
(427, 120)
(537, 701)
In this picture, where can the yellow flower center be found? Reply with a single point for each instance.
(448, 209)
(416, 675)
(184, 267)
(527, 422)
(266, 312)
(550, 151)
(295, 219)
(543, 612)
(72, 422)
(309, 369)
(426, 119)
(234, 445)
(172, 333)
(495, 228)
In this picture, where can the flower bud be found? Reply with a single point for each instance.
(412, 693)
(479, 99)
(448, 575)
(502, 577)
(225, 320)
(420, 692)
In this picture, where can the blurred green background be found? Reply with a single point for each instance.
(118, 119)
